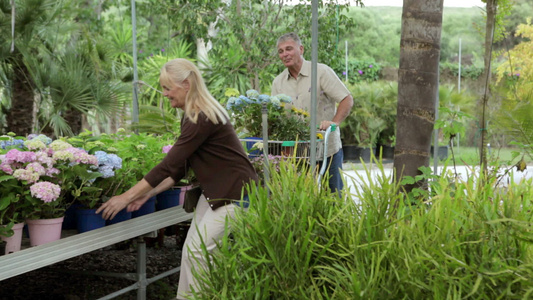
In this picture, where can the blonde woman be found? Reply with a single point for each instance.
(209, 146)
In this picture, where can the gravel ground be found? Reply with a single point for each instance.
(64, 280)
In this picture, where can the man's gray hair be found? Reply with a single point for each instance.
(289, 36)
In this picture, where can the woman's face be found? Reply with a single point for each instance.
(176, 94)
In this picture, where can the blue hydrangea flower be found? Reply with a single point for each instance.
(284, 98)
(106, 171)
(275, 100)
(231, 103)
(252, 94)
(114, 161)
(264, 98)
(15, 143)
(245, 99)
(102, 157)
(41, 137)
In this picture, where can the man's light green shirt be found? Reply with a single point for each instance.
(330, 91)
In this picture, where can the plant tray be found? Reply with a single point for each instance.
(297, 149)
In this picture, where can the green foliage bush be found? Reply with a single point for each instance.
(468, 239)
(360, 71)
(467, 71)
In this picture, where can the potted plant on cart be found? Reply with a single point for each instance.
(286, 124)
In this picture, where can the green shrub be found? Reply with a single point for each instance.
(359, 71)
(470, 239)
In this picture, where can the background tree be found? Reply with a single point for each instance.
(35, 20)
(418, 82)
(494, 31)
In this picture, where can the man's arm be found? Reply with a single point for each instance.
(343, 110)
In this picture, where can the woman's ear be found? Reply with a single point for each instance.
(186, 85)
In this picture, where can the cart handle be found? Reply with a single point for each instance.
(331, 128)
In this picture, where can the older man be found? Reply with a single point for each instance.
(334, 101)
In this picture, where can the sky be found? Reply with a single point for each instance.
(447, 3)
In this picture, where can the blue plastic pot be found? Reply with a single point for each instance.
(122, 215)
(250, 144)
(168, 199)
(70, 216)
(87, 219)
(147, 208)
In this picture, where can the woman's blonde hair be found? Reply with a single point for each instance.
(198, 99)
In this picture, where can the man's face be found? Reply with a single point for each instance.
(290, 53)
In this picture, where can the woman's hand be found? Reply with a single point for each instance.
(137, 203)
(113, 206)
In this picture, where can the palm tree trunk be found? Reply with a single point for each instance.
(417, 86)
(20, 116)
(74, 119)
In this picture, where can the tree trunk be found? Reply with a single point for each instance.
(487, 57)
(418, 85)
(74, 119)
(20, 116)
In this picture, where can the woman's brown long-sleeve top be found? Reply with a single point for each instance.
(216, 156)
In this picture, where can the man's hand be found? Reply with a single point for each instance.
(324, 125)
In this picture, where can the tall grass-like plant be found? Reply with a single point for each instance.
(470, 239)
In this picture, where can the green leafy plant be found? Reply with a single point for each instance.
(364, 124)
(360, 71)
(323, 247)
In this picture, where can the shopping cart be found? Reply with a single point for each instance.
(297, 149)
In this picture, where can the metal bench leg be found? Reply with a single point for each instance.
(141, 269)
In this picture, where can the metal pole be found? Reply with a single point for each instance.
(459, 83)
(264, 124)
(436, 131)
(141, 268)
(12, 26)
(459, 74)
(314, 61)
(346, 58)
(135, 113)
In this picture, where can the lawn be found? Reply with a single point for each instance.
(470, 155)
(463, 156)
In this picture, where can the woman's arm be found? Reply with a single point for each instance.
(139, 201)
(117, 203)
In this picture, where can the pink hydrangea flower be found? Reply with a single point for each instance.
(15, 155)
(36, 168)
(44, 159)
(52, 171)
(167, 148)
(45, 191)
(81, 156)
(6, 168)
(23, 174)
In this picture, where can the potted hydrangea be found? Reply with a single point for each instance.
(42, 174)
(285, 122)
